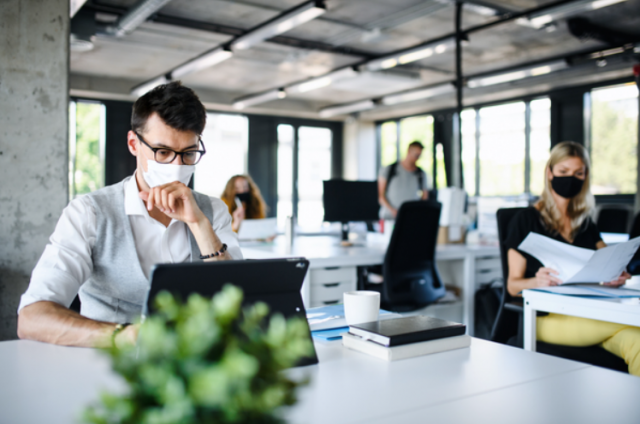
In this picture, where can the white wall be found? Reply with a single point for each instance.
(359, 150)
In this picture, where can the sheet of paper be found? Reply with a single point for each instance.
(607, 264)
(591, 291)
(563, 257)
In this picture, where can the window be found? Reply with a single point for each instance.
(495, 142)
(539, 143)
(314, 166)
(614, 126)
(285, 173)
(226, 139)
(469, 151)
(311, 147)
(86, 147)
(388, 143)
(502, 149)
(415, 128)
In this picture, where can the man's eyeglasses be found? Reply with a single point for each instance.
(164, 155)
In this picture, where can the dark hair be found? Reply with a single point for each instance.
(178, 107)
(416, 144)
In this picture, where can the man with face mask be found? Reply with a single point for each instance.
(106, 242)
(402, 182)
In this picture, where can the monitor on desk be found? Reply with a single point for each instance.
(276, 282)
(350, 201)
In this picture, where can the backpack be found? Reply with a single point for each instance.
(393, 171)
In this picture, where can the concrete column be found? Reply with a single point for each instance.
(34, 92)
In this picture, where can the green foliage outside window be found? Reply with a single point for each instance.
(614, 139)
(87, 164)
(207, 361)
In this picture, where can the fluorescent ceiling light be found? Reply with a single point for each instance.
(424, 93)
(136, 16)
(322, 81)
(206, 60)
(247, 101)
(289, 20)
(410, 55)
(545, 17)
(348, 108)
(534, 71)
(148, 86)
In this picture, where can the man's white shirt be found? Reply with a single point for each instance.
(66, 262)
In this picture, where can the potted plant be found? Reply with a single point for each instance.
(206, 361)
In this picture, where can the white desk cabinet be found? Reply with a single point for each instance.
(333, 269)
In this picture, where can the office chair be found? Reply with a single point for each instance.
(634, 264)
(410, 276)
(507, 328)
(613, 218)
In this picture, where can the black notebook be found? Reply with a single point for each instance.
(399, 331)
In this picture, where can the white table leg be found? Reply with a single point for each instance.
(469, 292)
(529, 327)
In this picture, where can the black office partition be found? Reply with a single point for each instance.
(568, 116)
(263, 158)
(443, 134)
(119, 162)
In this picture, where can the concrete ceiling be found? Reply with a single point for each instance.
(347, 34)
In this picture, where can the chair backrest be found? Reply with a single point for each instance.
(507, 324)
(504, 218)
(613, 218)
(635, 228)
(410, 273)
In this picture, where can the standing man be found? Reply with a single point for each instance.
(106, 242)
(402, 182)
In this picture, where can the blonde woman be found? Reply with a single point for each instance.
(563, 213)
(244, 200)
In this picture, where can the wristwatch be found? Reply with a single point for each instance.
(116, 330)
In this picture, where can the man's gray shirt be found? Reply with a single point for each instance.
(403, 187)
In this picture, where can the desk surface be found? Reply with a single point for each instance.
(327, 251)
(485, 383)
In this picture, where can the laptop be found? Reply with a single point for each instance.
(258, 229)
(276, 282)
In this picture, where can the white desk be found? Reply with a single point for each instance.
(622, 311)
(332, 268)
(488, 383)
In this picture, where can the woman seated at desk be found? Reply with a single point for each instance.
(244, 200)
(562, 213)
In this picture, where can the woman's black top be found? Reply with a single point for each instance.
(529, 220)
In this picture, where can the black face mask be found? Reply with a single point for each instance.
(567, 187)
(244, 197)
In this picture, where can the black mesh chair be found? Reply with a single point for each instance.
(507, 328)
(613, 218)
(410, 276)
(634, 264)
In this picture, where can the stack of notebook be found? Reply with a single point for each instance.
(406, 337)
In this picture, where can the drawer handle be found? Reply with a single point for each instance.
(331, 285)
(331, 302)
(332, 267)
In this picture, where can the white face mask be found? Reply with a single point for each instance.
(159, 173)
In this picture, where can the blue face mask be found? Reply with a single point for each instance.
(567, 187)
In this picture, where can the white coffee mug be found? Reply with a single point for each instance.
(361, 306)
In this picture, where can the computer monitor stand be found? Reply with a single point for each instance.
(345, 235)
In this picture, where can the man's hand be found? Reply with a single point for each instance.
(622, 279)
(174, 200)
